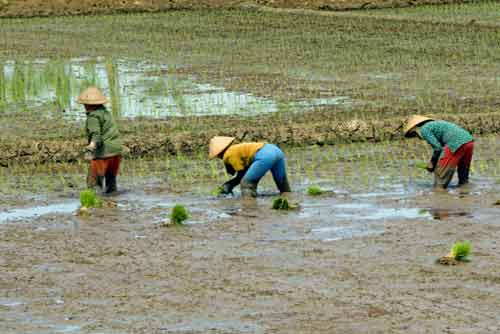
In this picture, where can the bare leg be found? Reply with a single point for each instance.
(443, 176)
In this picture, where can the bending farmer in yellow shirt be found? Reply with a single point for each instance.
(250, 162)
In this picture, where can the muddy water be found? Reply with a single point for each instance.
(337, 214)
(135, 88)
(361, 183)
(240, 267)
(36, 211)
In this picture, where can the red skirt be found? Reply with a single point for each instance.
(461, 158)
(106, 166)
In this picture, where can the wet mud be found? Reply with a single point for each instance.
(346, 263)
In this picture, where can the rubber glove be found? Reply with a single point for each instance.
(226, 189)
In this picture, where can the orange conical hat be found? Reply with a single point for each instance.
(414, 121)
(92, 96)
(219, 144)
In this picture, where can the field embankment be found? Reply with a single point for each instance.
(191, 135)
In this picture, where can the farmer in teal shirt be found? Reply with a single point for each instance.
(453, 148)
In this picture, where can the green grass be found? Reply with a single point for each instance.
(179, 214)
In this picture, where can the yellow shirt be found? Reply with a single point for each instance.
(238, 157)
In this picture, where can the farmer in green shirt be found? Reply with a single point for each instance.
(104, 143)
(453, 148)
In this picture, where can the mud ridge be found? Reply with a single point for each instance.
(191, 135)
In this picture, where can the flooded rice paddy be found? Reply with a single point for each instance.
(136, 89)
(360, 258)
(362, 184)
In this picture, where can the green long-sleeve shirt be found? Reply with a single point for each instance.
(101, 129)
(442, 133)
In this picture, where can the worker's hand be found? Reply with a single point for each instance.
(226, 189)
(91, 147)
(430, 167)
(88, 155)
(125, 151)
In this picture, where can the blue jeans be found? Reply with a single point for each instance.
(269, 157)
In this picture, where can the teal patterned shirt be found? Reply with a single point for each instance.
(442, 133)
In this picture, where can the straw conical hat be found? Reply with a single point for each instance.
(414, 121)
(218, 144)
(92, 96)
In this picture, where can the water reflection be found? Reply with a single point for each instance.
(36, 211)
(135, 88)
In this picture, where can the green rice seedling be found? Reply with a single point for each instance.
(89, 199)
(282, 203)
(314, 191)
(114, 88)
(421, 165)
(217, 191)
(179, 214)
(460, 250)
(3, 95)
